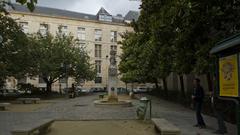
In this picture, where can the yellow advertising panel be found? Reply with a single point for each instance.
(228, 76)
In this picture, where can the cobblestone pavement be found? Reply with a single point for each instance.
(82, 108)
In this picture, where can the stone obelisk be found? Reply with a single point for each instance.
(112, 78)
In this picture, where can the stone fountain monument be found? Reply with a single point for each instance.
(112, 98)
(112, 78)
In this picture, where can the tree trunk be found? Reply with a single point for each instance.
(49, 83)
(156, 83)
(132, 88)
(165, 87)
(2, 81)
(126, 87)
(182, 86)
(209, 80)
(49, 87)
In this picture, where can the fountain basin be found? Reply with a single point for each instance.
(120, 103)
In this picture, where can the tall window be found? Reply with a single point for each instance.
(63, 29)
(98, 35)
(113, 36)
(98, 66)
(24, 26)
(81, 34)
(98, 51)
(114, 47)
(43, 29)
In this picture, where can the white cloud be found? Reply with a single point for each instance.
(121, 6)
(92, 6)
(86, 6)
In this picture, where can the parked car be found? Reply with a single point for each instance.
(97, 89)
(135, 90)
(9, 93)
(66, 90)
(78, 91)
(121, 90)
(140, 90)
(85, 91)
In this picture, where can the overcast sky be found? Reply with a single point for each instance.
(92, 6)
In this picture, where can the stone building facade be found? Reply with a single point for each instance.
(99, 33)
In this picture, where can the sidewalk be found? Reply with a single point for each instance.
(184, 118)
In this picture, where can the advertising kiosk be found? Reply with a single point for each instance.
(228, 71)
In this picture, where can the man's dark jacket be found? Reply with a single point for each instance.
(198, 93)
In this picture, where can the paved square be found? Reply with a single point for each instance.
(82, 108)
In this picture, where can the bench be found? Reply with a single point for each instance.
(37, 128)
(3, 106)
(165, 127)
(101, 96)
(29, 100)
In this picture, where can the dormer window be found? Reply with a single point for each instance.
(103, 15)
(108, 18)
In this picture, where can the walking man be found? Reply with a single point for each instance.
(198, 96)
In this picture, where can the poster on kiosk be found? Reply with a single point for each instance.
(228, 76)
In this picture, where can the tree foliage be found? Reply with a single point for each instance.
(5, 3)
(176, 36)
(30, 4)
(13, 49)
(51, 53)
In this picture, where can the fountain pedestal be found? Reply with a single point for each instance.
(112, 83)
(112, 98)
(112, 78)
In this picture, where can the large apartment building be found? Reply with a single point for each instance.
(99, 33)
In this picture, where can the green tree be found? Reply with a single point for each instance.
(183, 48)
(30, 4)
(50, 52)
(176, 36)
(130, 64)
(147, 54)
(200, 25)
(13, 49)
